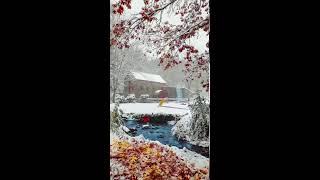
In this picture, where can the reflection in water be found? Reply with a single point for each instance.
(162, 132)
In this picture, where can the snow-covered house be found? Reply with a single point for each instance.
(143, 83)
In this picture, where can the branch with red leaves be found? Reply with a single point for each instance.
(169, 42)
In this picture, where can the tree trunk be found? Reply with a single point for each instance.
(188, 84)
(114, 95)
(114, 90)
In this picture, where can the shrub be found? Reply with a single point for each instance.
(115, 118)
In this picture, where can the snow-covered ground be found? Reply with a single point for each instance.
(149, 108)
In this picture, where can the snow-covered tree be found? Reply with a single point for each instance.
(200, 120)
(115, 118)
(167, 41)
(118, 70)
(194, 127)
(121, 63)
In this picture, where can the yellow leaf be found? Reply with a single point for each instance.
(158, 155)
(133, 159)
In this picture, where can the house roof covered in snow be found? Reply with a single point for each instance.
(148, 77)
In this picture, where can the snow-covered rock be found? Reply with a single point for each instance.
(130, 118)
(125, 129)
(145, 126)
(201, 143)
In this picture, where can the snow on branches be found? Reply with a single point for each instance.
(167, 41)
(194, 127)
(200, 119)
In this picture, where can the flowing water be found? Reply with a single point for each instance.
(162, 132)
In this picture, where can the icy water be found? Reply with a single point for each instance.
(162, 132)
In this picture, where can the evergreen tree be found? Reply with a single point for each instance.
(115, 119)
(200, 119)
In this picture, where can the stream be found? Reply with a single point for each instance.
(162, 132)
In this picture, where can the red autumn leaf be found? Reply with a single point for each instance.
(120, 9)
(152, 145)
(113, 42)
(204, 170)
(206, 27)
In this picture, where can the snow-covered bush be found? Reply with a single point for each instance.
(115, 118)
(130, 98)
(194, 127)
(182, 128)
(119, 99)
(144, 98)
